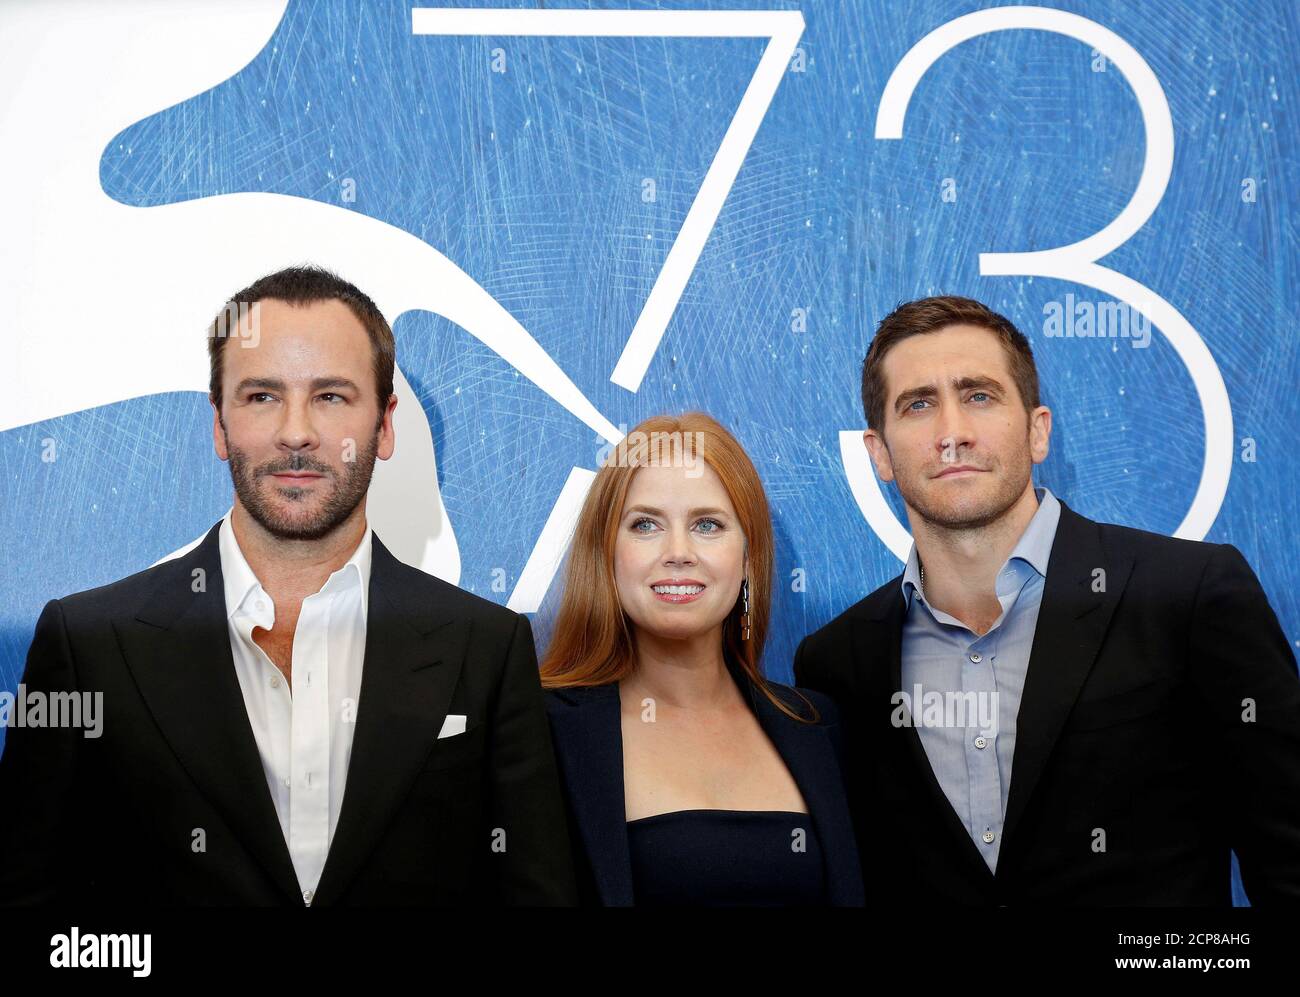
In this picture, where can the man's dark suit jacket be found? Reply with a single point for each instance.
(587, 727)
(117, 819)
(1130, 726)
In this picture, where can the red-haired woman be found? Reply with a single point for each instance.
(690, 779)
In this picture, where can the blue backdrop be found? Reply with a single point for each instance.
(531, 175)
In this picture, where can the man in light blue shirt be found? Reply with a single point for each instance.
(942, 655)
(1044, 709)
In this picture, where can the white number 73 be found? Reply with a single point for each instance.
(1076, 262)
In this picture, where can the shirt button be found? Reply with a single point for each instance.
(977, 658)
(988, 837)
(980, 742)
(287, 782)
(260, 604)
(275, 681)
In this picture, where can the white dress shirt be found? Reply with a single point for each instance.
(303, 736)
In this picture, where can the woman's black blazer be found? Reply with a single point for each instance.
(586, 728)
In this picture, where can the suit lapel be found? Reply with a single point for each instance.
(1072, 622)
(177, 648)
(808, 754)
(880, 628)
(413, 657)
(589, 745)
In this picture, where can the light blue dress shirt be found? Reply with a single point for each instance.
(945, 661)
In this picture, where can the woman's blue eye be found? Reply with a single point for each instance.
(704, 525)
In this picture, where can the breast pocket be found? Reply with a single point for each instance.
(459, 751)
(1120, 708)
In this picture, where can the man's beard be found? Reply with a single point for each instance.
(339, 504)
(973, 515)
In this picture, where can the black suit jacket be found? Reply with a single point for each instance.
(170, 805)
(586, 726)
(1134, 773)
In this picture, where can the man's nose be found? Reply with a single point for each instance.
(297, 431)
(953, 433)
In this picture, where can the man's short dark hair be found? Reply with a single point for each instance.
(305, 285)
(916, 318)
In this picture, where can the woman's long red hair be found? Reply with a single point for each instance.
(592, 643)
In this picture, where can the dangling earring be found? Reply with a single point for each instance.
(744, 618)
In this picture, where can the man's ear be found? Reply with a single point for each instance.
(875, 444)
(218, 435)
(387, 436)
(1040, 433)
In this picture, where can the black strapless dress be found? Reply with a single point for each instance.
(726, 858)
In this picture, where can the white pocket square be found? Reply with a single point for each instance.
(453, 725)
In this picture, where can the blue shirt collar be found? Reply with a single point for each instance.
(1034, 546)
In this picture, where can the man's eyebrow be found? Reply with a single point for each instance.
(921, 391)
(906, 398)
(332, 382)
(983, 381)
(275, 384)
